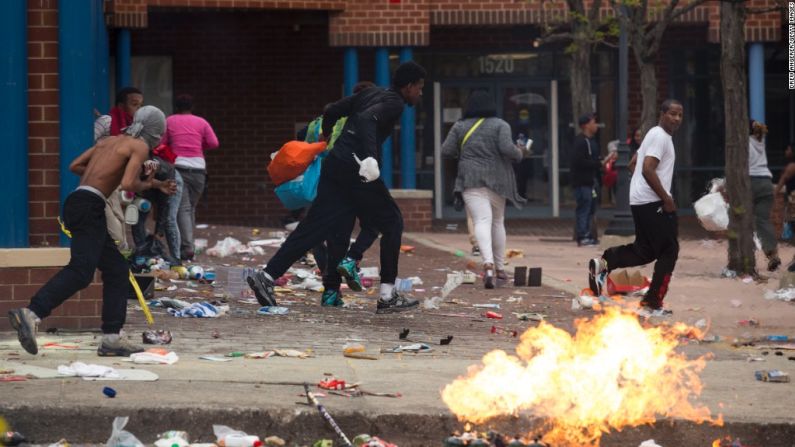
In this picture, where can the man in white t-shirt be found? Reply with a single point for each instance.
(654, 214)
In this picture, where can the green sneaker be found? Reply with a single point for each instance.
(348, 270)
(331, 298)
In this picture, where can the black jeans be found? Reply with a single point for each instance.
(341, 196)
(92, 248)
(656, 238)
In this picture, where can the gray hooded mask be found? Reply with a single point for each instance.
(149, 124)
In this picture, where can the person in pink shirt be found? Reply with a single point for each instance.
(189, 136)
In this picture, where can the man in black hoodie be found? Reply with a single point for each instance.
(585, 171)
(350, 186)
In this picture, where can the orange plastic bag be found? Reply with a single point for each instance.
(293, 159)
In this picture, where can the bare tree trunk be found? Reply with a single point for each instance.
(580, 80)
(738, 182)
(648, 91)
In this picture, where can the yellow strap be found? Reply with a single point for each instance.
(471, 129)
(145, 307)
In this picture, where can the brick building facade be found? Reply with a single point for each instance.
(258, 68)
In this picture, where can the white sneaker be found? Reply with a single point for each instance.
(648, 312)
(597, 275)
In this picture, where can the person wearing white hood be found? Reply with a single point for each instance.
(113, 161)
(762, 193)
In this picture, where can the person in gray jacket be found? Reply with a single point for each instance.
(485, 151)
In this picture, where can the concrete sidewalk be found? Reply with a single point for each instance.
(259, 396)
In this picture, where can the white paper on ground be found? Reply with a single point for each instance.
(152, 358)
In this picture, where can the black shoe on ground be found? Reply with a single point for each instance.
(263, 288)
(25, 322)
(119, 347)
(398, 303)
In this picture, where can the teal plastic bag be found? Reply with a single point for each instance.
(302, 190)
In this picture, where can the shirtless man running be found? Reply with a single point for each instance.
(113, 161)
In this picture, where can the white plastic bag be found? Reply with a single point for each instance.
(225, 247)
(713, 212)
(121, 438)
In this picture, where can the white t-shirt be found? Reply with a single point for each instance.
(757, 158)
(658, 144)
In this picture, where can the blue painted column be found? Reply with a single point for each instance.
(14, 123)
(351, 71)
(123, 50)
(382, 80)
(102, 62)
(76, 76)
(756, 81)
(408, 170)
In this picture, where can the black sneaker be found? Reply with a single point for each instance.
(263, 288)
(25, 322)
(398, 303)
(118, 348)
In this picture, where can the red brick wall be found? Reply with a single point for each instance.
(81, 311)
(417, 214)
(252, 75)
(43, 116)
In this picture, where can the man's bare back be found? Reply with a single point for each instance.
(113, 161)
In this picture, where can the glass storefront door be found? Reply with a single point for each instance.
(526, 107)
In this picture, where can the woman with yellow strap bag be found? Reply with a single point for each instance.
(486, 152)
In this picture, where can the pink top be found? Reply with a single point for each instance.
(189, 135)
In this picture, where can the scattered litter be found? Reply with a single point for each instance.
(469, 277)
(755, 359)
(312, 284)
(202, 226)
(514, 253)
(119, 437)
(273, 242)
(228, 437)
(777, 338)
(331, 384)
(493, 315)
(368, 272)
(649, 443)
(225, 247)
(772, 376)
(748, 323)
(748, 279)
(460, 253)
(291, 353)
(701, 324)
(622, 282)
(273, 310)
(157, 337)
(108, 391)
(403, 285)
(407, 249)
(453, 281)
(727, 273)
(260, 355)
(502, 330)
(215, 358)
(80, 369)
(432, 303)
(736, 303)
(155, 356)
(274, 441)
(200, 310)
(583, 301)
(54, 345)
(486, 306)
(514, 299)
(781, 294)
(530, 316)
(172, 438)
(404, 335)
(414, 348)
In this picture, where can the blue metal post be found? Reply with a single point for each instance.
(351, 73)
(408, 171)
(123, 49)
(14, 119)
(756, 81)
(76, 75)
(382, 80)
(102, 63)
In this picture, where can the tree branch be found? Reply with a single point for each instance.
(685, 9)
(557, 37)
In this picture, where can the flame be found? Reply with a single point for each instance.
(716, 443)
(611, 374)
